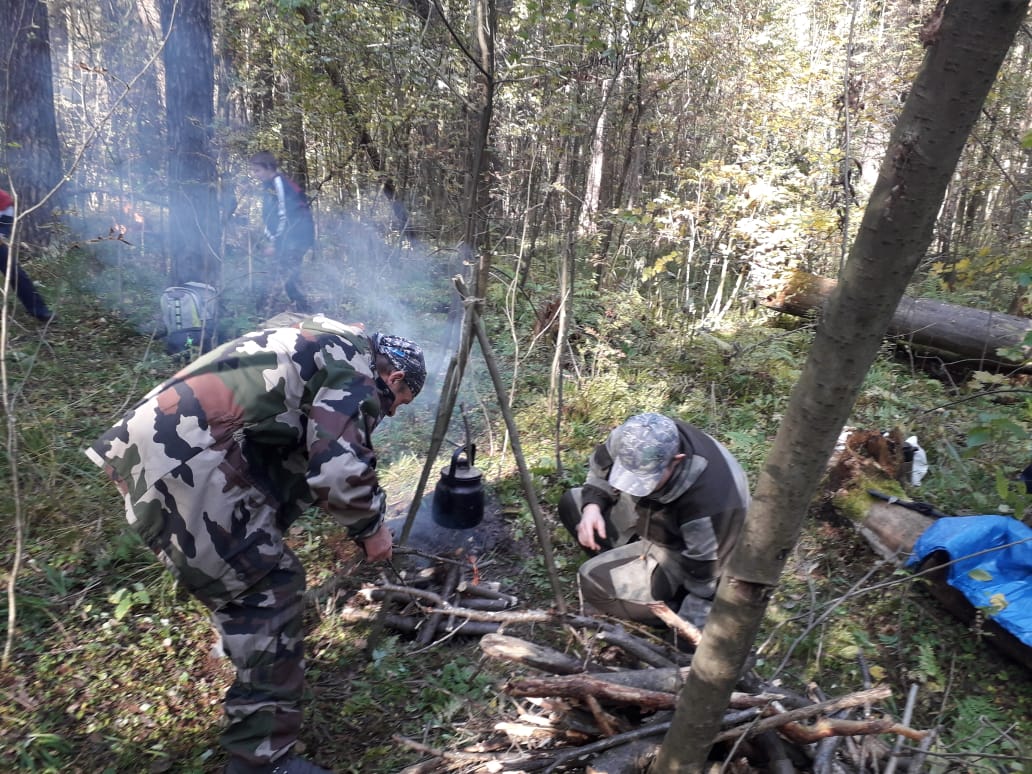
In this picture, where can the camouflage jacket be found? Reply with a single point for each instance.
(301, 403)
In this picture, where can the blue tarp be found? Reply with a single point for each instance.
(989, 579)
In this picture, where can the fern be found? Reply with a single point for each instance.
(927, 664)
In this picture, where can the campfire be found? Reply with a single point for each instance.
(595, 694)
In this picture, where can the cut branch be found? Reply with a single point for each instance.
(663, 612)
(504, 647)
(829, 727)
(583, 686)
(804, 713)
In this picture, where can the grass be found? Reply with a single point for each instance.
(113, 670)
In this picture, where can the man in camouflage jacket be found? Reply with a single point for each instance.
(218, 461)
(660, 511)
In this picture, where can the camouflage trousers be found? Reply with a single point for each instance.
(221, 539)
(629, 574)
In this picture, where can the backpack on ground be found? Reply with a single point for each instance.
(190, 314)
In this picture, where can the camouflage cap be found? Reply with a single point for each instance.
(642, 448)
(404, 355)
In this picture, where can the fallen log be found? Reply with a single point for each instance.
(483, 603)
(892, 530)
(974, 334)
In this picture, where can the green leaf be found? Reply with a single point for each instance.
(979, 436)
(979, 574)
(125, 604)
(998, 603)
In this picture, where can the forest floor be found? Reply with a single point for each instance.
(112, 669)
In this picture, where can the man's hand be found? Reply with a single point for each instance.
(378, 546)
(591, 524)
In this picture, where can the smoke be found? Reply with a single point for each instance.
(362, 269)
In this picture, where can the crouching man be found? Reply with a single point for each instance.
(659, 513)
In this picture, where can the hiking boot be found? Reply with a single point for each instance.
(292, 764)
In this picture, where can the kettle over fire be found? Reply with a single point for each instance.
(459, 495)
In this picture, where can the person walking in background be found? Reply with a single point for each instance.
(289, 229)
(659, 513)
(217, 462)
(24, 288)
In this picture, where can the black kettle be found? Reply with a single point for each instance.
(459, 496)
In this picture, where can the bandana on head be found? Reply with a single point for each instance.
(404, 355)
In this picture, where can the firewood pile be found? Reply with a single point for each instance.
(603, 703)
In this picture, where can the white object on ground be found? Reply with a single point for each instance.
(920, 464)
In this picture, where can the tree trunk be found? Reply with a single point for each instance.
(30, 151)
(635, 105)
(310, 15)
(586, 226)
(960, 66)
(190, 113)
(482, 94)
(295, 148)
(133, 140)
(973, 333)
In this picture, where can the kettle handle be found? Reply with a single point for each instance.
(469, 458)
